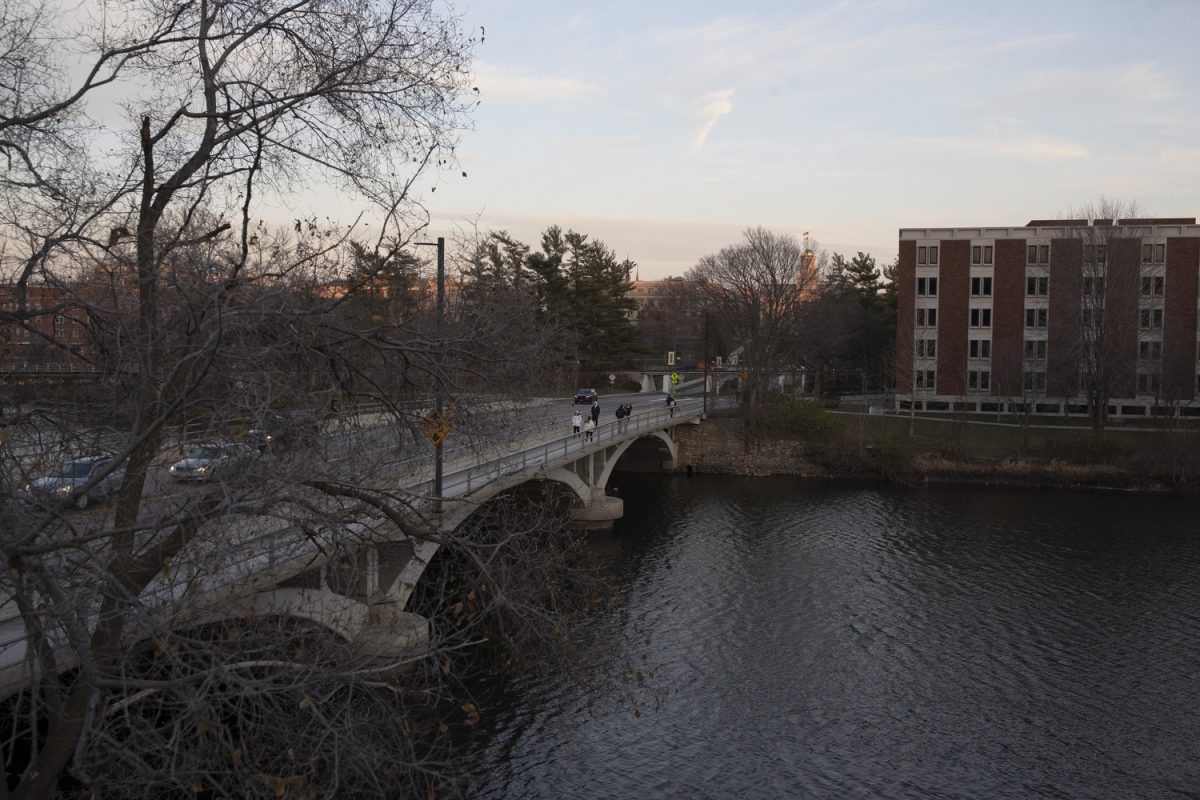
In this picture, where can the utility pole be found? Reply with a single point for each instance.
(439, 391)
(439, 376)
(706, 360)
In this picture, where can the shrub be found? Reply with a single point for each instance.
(1097, 448)
(799, 420)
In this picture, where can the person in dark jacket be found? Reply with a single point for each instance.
(595, 412)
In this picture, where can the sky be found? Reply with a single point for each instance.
(665, 129)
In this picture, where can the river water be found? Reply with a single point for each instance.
(801, 639)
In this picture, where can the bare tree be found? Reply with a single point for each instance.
(758, 288)
(1104, 240)
(202, 321)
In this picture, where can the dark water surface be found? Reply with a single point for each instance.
(831, 640)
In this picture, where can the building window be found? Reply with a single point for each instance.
(1150, 350)
(981, 255)
(927, 254)
(1037, 254)
(926, 348)
(981, 318)
(979, 348)
(1153, 285)
(1035, 380)
(921, 255)
(1093, 286)
(1154, 253)
(1147, 382)
(979, 379)
(1037, 317)
(926, 378)
(1150, 318)
(1035, 349)
(927, 287)
(926, 317)
(981, 287)
(1037, 286)
(1095, 254)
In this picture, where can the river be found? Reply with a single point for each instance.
(813, 640)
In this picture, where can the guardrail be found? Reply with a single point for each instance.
(461, 482)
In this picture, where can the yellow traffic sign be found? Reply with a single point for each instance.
(674, 377)
(435, 427)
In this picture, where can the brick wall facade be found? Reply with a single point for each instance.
(1179, 320)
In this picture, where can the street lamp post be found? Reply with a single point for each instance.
(704, 350)
(439, 378)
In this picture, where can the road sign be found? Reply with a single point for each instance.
(435, 427)
(611, 379)
(670, 358)
(674, 377)
(700, 365)
(743, 374)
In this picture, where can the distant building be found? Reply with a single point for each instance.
(1035, 318)
(654, 297)
(54, 331)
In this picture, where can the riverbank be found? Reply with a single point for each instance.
(814, 443)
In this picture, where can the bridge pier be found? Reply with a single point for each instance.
(599, 513)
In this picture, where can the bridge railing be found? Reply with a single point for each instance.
(461, 482)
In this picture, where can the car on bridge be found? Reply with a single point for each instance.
(588, 396)
(64, 485)
(212, 460)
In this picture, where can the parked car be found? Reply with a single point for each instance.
(64, 485)
(588, 396)
(212, 460)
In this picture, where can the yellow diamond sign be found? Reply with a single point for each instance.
(435, 427)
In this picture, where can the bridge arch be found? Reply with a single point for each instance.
(662, 436)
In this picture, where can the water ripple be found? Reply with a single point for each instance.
(817, 640)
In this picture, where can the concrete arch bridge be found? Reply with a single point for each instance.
(357, 581)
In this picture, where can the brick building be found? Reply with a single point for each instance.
(1057, 317)
(54, 330)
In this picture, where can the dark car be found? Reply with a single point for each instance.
(278, 432)
(64, 485)
(586, 396)
(208, 461)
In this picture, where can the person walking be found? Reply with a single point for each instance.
(576, 421)
(595, 413)
(671, 404)
(589, 426)
(620, 413)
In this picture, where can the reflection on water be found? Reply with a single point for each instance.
(833, 640)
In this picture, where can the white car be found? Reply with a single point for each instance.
(212, 460)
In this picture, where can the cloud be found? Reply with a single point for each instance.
(577, 21)
(626, 142)
(1134, 83)
(498, 83)
(719, 29)
(711, 108)
(1033, 148)
(1027, 42)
